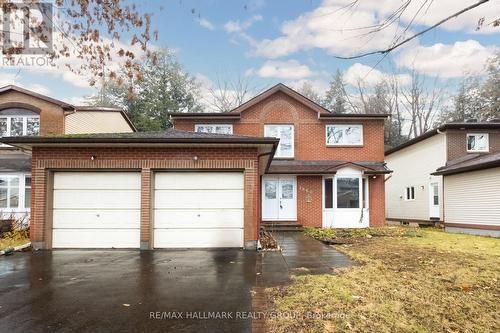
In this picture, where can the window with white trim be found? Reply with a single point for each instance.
(19, 125)
(477, 142)
(344, 135)
(410, 193)
(286, 136)
(348, 192)
(214, 128)
(9, 191)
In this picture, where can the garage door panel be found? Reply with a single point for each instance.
(96, 210)
(96, 219)
(198, 238)
(199, 199)
(91, 199)
(200, 180)
(199, 218)
(97, 180)
(96, 238)
(198, 209)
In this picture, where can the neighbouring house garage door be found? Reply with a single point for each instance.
(198, 209)
(96, 210)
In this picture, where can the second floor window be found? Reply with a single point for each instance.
(285, 134)
(19, 125)
(214, 128)
(477, 142)
(344, 135)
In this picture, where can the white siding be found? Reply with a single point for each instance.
(412, 166)
(473, 197)
(96, 122)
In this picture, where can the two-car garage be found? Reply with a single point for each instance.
(102, 209)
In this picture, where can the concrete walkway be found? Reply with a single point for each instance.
(300, 255)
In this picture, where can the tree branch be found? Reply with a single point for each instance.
(460, 12)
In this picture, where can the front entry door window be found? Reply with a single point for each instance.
(279, 198)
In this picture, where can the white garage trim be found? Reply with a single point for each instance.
(96, 210)
(198, 209)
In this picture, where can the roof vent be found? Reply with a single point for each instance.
(471, 120)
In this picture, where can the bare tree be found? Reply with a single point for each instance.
(422, 103)
(225, 95)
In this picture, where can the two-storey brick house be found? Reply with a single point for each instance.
(211, 180)
(328, 170)
(26, 113)
(449, 175)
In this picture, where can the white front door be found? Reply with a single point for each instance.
(279, 198)
(434, 200)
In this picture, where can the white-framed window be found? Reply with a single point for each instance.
(15, 192)
(9, 191)
(348, 192)
(344, 135)
(19, 125)
(410, 193)
(478, 142)
(286, 136)
(214, 128)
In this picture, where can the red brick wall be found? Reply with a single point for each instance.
(145, 160)
(309, 200)
(376, 189)
(309, 132)
(51, 115)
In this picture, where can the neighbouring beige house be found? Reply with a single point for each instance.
(27, 113)
(450, 176)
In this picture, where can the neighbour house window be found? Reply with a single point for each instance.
(19, 125)
(410, 193)
(477, 142)
(348, 192)
(27, 191)
(286, 136)
(214, 128)
(9, 191)
(344, 135)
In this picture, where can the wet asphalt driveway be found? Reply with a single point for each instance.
(136, 291)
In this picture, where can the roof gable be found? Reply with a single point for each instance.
(280, 87)
(60, 103)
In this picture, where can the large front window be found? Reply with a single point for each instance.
(285, 134)
(19, 125)
(344, 135)
(348, 191)
(214, 128)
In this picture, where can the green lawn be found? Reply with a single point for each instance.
(408, 281)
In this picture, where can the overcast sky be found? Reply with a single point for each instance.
(296, 41)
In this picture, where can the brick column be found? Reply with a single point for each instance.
(38, 232)
(146, 197)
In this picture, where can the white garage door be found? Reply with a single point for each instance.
(198, 209)
(96, 210)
